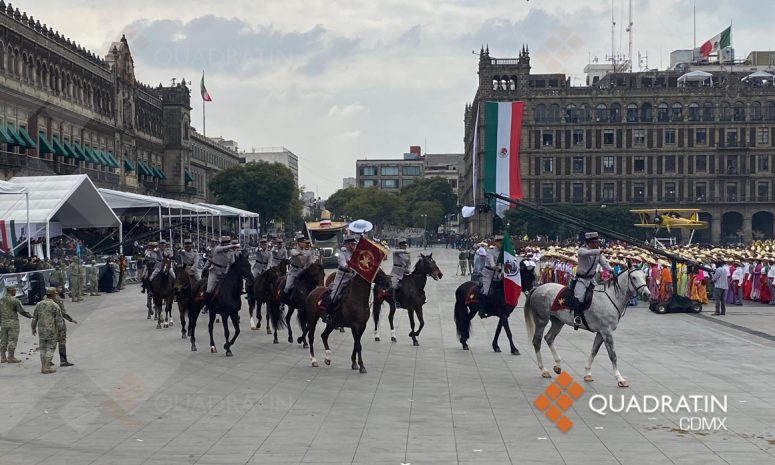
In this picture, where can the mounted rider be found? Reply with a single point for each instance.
(149, 261)
(191, 259)
(300, 258)
(221, 258)
(402, 260)
(589, 257)
(263, 257)
(491, 272)
(279, 252)
(343, 276)
(161, 253)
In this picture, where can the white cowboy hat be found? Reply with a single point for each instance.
(360, 226)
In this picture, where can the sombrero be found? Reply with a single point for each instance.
(360, 226)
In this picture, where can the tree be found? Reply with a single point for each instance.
(337, 202)
(431, 189)
(616, 218)
(265, 188)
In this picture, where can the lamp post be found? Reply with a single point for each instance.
(424, 230)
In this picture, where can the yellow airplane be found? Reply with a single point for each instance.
(670, 218)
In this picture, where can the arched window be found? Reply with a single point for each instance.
(571, 114)
(540, 113)
(708, 113)
(554, 113)
(756, 111)
(496, 82)
(632, 113)
(694, 111)
(739, 111)
(513, 83)
(726, 112)
(585, 114)
(662, 113)
(601, 115)
(645, 113)
(616, 113)
(770, 111)
(678, 112)
(3, 63)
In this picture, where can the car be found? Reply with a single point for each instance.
(676, 304)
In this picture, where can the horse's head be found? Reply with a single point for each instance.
(637, 283)
(313, 275)
(242, 265)
(426, 265)
(382, 280)
(283, 265)
(181, 277)
(165, 265)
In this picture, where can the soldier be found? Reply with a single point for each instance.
(48, 325)
(191, 260)
(149, 261)
(343, 277)
(490, 273)
(63, 337)
(161, 253)
(314, 253)
(222, 257)
(10, 309)
(94, 277)
(299, 258)
(76, 280)
(279, 252)
(589, 256)
(263, 256)
(57, 277)
(121, 272)
(401, 263)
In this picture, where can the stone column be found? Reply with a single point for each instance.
(747, 228)
(715, 229)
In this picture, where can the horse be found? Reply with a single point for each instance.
(410, 294)
(186, 288)
(311, 277)
(261, 292)
(163, 292)
(226, 302)
(148, 292)
(467, 307)
(352, 311)
(608, 306)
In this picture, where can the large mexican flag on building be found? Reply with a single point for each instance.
(502, 130)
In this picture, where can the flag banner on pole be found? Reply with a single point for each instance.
(205, 95)
(512, 281)
(502, 131)
(366, 259)
(718, 43)
(475, 153)
(8, 237)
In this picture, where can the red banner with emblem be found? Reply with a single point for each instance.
(366, 259)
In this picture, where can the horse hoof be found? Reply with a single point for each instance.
(623, 384)
(465, 346)
(514, 351)
(412, 334)
(258, 325)
(557, 370)
(588, 378)
(290, 339)
(415, 343)
(275, 342)
(306, 346)
(363, 370)
(182, 336)
(314, 364)
(496, 349)
(355, 366)
(299, 340)
(213, 349)
(252, 327)
(393, 339)
(193, 349)
(545, 374)
(148, 317)
(228, 353)
(172, 323)
(268, 331)
(376, 338)
(328, 362)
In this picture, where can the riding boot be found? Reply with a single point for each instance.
(2, 358)
(11, 358)
(63, 356)
(328, 301)
(577, 314)
(142, 288)
(483, 302)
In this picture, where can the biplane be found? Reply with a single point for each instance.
(667, 218)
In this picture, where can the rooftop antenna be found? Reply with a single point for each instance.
(613, 37)
(629, 37)
(694, 34)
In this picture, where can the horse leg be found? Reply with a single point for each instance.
(288, 323)
(192, 327)
(595, 348)
(495, 346)
(158, 313)
(235, 322)
(182, 313)
(421, 320)
(375, 313)
(390, 318)
(357, 333)
(226, 344)
(149, 304)
(411, 324)
(354, 332)
(168, 312)
(554, 330)
(251, 308)
(210, 324)
(311, 336)
(540, 325)
(268, 319)
(608, 340)
(361, 366)
(329, 329)
(507, 328)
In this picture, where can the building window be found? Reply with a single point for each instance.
(669, 192)
(616, 113)
(608, 136)
(548, 165)
(639, 165)
(726, 112)
(389, 183)
(632, 113)
(763, 136)
(407, 182)
(411, 170)
(732, 138)
(701, 163)
(732, 192)
(609, 164)
(662, 113)
(770, 111)
(763, 191)
(694, 112)
(762, 163)
(585, 114)
(554, 113)
(368, 183)
(608, 192)
(701, 192)
(388, 171)
(578, 164)
(368, 171)
(645, 113)
(756, 111)
(700, 136)
(548, 139)
(571, 114)
(669, 136)
(678, 112)
(601, 115)
(578, 136)
(578, 193)
(540, 113)
(669, 163)
(731, 164)
(640, 136)
(707, 112)
(547, 193)
(639, 192)
(739, 111)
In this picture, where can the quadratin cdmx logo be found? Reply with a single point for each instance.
(558, 396)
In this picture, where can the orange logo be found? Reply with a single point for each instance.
(558, 397)
(366, 259)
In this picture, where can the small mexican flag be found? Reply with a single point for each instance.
(512, 281)
(205, 95)
(8, 237)
(718, 43)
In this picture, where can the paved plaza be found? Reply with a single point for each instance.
(138, 395)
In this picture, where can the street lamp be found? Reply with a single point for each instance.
(425, 230)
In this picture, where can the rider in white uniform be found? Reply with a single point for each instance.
(589, 257)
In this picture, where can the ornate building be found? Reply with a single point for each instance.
(64, 110)
(641, 139)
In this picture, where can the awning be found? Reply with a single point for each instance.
(101, 155)
(14, 136)
(93, 157)
(59, 149)
(45, 145)
(161, 173)
(122, 201)
(188, 176)
(79, 153)
(112, 160)
(25, 136)
(6, 138)
(71, 153)
(228, 210)
(143, 169)
(759, 76)
(128, 166)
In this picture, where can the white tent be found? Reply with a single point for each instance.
(228, 210)
(15, 189)
(70, 200)
(762, 76)
(695, 76)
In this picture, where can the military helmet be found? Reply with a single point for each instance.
(152, 244)
(188, 242)
(402, 241)
(299, 237)
(163, 242)
(225, 239)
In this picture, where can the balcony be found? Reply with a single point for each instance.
(548, 200)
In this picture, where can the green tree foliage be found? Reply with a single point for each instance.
(265, 188)
(616, 218)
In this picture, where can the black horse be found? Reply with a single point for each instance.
(311, 277)
(261, 293)
(410, 295)
(163, 292)
(467, 307)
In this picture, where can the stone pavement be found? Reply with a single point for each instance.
(137, 395)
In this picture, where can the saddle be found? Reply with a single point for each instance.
(278, 290)
(382, 294)
(565, 299)
(472, 298)
(320, 303)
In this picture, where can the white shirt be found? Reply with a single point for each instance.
(481, 251)
(738, 275)
(771, 274)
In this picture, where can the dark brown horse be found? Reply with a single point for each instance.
(163, 293)
(310, 278)
(352, 312)
(467, 307)
(410, 295)
(261, 292)
(186, 288)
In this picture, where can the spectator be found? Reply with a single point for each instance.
(720, 286)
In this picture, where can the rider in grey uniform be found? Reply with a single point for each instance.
(149, 258)
(221, 258)
(490, 272)
(161, 253)
(279, 252)
(300, 257)
(263, 256)
(191, 259)
(343, 276)
(589, 257)
(401, 263)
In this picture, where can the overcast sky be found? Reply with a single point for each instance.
(337, 80)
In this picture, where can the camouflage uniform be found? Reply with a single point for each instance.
(63, 336)
(76, 280)
(57, 277)
(94, 277)
(49, 324)
(10, 309)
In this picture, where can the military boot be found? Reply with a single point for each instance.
(63, 356)
(11, 358)
(2, 358)
(47, 369)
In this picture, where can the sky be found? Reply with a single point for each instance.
(340, 80)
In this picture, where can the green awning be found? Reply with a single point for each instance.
(101, 156)
(112, 160)
(155, 172)
(25, 137)
(128, 166)
(6, 138)
(45, 145)
(59, 149)
(71, 153)
(14, 136)
(161, 173)
(188, 176)
(144, 170)
(91, 156)
(79, 153)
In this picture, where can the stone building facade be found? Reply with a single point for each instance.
(64, 110)
(642, 139)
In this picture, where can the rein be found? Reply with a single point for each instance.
(618, 290)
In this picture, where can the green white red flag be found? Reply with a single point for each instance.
(502, 131)
(205, 95)
(718, 43)
(512, 281)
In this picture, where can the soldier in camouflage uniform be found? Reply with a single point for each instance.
(63, 337)
(58, 276)
(76, 280)
(10, 309)
(94, 278)
(48, 325)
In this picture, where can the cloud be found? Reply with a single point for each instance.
(346, 110)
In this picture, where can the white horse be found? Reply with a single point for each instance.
(608, 307)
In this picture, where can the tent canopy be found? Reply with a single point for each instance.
(695, 76)
(759, 75)
(70, 200)
(227, 210)
(122, 201)
(11, 188)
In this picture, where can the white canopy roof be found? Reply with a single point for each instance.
(695, 76)
(11, 188)
(759, 75)
(228, 210)
(70, 200)
(121, 201)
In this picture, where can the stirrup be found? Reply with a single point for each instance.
(577, 321)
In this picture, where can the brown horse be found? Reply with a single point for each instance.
(261, 292)
(310, 278)
(163, 293)
(352, 311)
(410, 295)
(186, 288)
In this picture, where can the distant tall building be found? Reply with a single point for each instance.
(274, 155)
(348, 182)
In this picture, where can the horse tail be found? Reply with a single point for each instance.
(462, 321)
(530, 324)
(376, 307)
(276, 313)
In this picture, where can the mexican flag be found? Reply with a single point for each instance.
(512, 281)
(8, 238)
(718, 43)
(502, 130)
(205, 95)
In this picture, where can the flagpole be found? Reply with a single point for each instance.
(204, 103)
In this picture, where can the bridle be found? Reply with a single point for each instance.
(617, 290)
